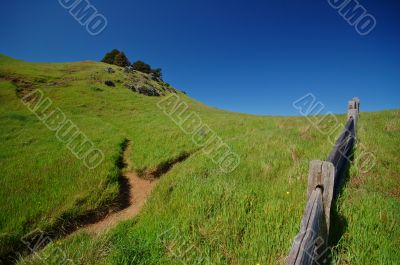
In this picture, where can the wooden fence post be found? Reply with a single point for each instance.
(310, 244)
(354, 110)
(322, 174)
(324, 179)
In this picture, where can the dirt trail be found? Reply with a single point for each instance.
(134, 191)
(137, 190)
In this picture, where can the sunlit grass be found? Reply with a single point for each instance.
(248, 216)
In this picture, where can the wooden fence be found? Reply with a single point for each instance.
(324, 181)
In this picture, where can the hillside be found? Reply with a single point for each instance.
(196, 212)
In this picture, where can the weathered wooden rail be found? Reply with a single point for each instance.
(324, 181)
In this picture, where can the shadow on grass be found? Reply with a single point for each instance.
(73, 220)
(338, 221)
(70, 221)
(165, 166)
(124, 186)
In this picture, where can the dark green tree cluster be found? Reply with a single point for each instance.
(146, 68)
(118, 58)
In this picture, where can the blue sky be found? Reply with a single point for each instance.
(247, 56)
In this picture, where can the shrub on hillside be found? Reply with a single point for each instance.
(110, 56)
(121, 60)
(146, 68)
(116, 57)
(157, 72)
(141, 67)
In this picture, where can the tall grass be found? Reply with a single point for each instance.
(196, 213)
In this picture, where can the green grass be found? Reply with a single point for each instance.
(248, 216)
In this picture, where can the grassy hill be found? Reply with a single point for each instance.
(197, 213)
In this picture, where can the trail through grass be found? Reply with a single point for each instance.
(248, 216)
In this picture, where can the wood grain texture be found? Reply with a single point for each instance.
(322, 174)
(324, 181)
(309, 245)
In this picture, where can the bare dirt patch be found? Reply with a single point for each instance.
(135, 190)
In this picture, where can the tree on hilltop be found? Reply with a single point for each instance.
(141, 67)
(146, 68)
(110, 56)
(157, 72)
(121, 60)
